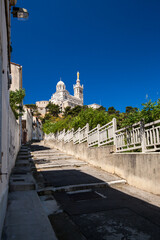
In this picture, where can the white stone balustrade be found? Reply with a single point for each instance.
(138, 136)
(83, 133)
(68, 136)
(152, 136)
(93, 137)
(128, 138)
(76, 135)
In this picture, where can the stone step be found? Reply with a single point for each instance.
(22, 163)
(48, 154)
(21, 182)
(21, 169)
(23, 150)
(52, 157)
(58, 161)
(23, 157)
(23, 153)
(79, 187)
(24, 147)
(44, 152)
(51, 165)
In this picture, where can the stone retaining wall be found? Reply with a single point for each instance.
(138, 169)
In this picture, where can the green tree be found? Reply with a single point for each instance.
(156, 112)
(31, 106)
(78, 117)
(76, 110)
(147, 112)
(16, 98)
(34, 109)
(111, 110)
(130, 109)
(67, 111)
(101, 108)
(73, 111)
(53, 109)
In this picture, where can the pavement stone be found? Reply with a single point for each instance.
(21, 182)
(25, 218)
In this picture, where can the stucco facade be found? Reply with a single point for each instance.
(4, 106)
(63, 98)
(27, 120)
(37, 133)
(7, 158)
(94, 106)
(16, 72)
(41, 107)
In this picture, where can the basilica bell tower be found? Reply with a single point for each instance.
(78, 89)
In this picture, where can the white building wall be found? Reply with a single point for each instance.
(94, 106)
(37, 129)
(27, 116)
(4, 106)
(14, 139)
(9, 128)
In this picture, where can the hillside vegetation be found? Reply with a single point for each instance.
(80, 116)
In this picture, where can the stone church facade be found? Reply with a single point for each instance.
(63, 98)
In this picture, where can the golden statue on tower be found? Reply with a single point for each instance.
(78, 75)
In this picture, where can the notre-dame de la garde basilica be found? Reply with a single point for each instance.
(62, 97)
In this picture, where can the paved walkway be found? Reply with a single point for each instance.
(75, 199)
(25, 217)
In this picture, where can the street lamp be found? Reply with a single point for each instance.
(20, 13)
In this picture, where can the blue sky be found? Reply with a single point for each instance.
(114, 44)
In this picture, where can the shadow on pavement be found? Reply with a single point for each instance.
(37, 147)
(58, 178)
(99, 213)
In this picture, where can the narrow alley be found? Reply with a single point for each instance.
(49, 188)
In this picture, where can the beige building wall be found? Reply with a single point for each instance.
(16, 73)
(41, 107)
(16, 84)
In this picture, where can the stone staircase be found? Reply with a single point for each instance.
(21, 178)
(52, 159)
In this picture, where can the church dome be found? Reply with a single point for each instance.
(60, 83)
(60, 86)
